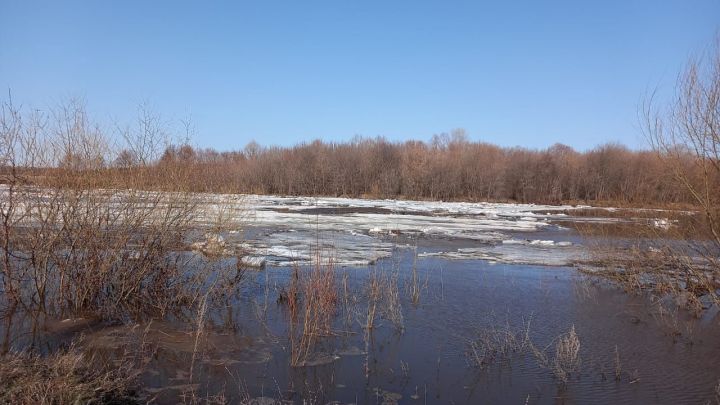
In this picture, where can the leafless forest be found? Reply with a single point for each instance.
(449, 167)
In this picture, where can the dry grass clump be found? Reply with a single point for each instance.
(67, 377)
(498, 344)
(567, 355)
(393, 306)
(374, 297)
(382, 290)
(414, 287)
(312, 300)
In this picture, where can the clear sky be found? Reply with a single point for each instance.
(513, 73)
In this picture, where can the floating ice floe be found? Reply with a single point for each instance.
(356, 232)
(283, 248)
(555, 254)
(536, 242)
(253, 261)
(662, 223)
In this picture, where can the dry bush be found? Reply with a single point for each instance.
(681, 256)
(669, 262)
(619, 261)
(78, 234)
(686, 135)
(85, 231)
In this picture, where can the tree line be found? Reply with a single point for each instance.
(449, 167)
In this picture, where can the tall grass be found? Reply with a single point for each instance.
(313, 299)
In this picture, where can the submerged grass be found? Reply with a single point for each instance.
(499, 344)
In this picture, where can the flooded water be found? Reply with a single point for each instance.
(663, 359)
(461, 272)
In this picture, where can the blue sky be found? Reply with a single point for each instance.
(512, 73)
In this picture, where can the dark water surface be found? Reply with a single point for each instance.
(665, 355)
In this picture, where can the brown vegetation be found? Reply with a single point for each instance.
(567, 355)
(78, 239)
(312, 299)
(67, 377)
(450, 167)
(680, 258)
(75, 246)
(691, 125)
(498, 344)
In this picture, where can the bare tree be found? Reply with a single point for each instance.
(146, 140)
(686, 135)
